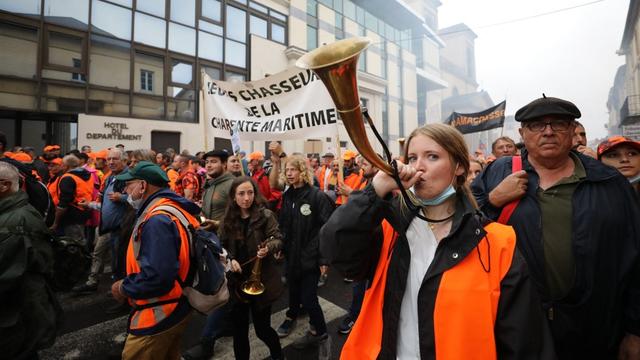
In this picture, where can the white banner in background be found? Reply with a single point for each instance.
(290, 105)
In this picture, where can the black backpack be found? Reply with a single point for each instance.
(71, 262)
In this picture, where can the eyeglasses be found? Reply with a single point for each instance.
(556, 125)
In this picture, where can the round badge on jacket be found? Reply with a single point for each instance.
(305, 209)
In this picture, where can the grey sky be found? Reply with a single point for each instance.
(570, 54)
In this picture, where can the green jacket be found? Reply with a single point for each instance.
(216, 196)
(28, 317)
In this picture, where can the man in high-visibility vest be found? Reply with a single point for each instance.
(157, 263)
(353, 177)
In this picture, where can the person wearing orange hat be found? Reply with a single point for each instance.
(353, 177)
(259, 174)
(22, 157)
(53, 150)
(623, 154)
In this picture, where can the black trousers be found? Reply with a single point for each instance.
(261, 322)
(303, 289)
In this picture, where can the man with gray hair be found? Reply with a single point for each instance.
(74, 188)
(112, 205)
(29, 311)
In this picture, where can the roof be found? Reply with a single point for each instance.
(457, 29)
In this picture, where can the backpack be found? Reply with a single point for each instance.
(206, 284)
(71, 262)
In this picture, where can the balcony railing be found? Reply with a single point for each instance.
(630, 110)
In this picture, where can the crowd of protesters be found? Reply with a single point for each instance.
(532, 252)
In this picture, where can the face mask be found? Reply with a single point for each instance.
(447, 193)
(134, 203)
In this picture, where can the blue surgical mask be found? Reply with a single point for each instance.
(444, 195)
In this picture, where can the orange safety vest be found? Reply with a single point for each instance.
(353, 181)
(466, 305)
(173, 175)
(320, 172)
(150, 316)
(84, 190)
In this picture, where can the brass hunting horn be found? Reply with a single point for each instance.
(253, 285)
(336, 64)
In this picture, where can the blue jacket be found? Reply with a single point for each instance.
(604, 302)
(111, 212)
(158, 259)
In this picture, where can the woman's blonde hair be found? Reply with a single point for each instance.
(299, 163)
(453, 143)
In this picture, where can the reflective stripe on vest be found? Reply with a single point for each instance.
(149, 317)
(466, 304)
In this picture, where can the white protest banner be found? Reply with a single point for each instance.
(290, 105)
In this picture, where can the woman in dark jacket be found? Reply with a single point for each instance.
(450, 287)
(250, 230)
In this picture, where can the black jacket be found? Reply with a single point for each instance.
(350, 240)
(605, 299)
(304, 211)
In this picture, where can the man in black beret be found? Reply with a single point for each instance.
(577, 230)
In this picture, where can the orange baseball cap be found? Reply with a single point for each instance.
(615, 141)
(51, 148)
(349, 154)
(22, 157)
(102, 154)
(56, 161)
(256, 155)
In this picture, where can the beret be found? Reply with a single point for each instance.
(547, 106)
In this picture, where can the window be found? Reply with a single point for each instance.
(214, 73)
(111, 20)
(234, 77)
(312, 8)
(63, 48)
(150, 30)
(338, 21)
(212, 28)
(349, 9)
(258, 26)
(262, 9)
(312, 38)
(154, 7)
(21, 63)
(77, 76)
(236, 24)
(277, 15)
(61, 11)
(181, 72)
(210, 46)
(182, 39)
(211, 10)
(31, 7)
(184, 11)
(235, 53)
(277, 33)
(146, 80)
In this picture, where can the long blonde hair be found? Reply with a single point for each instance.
(299, 163)
(453, 143)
